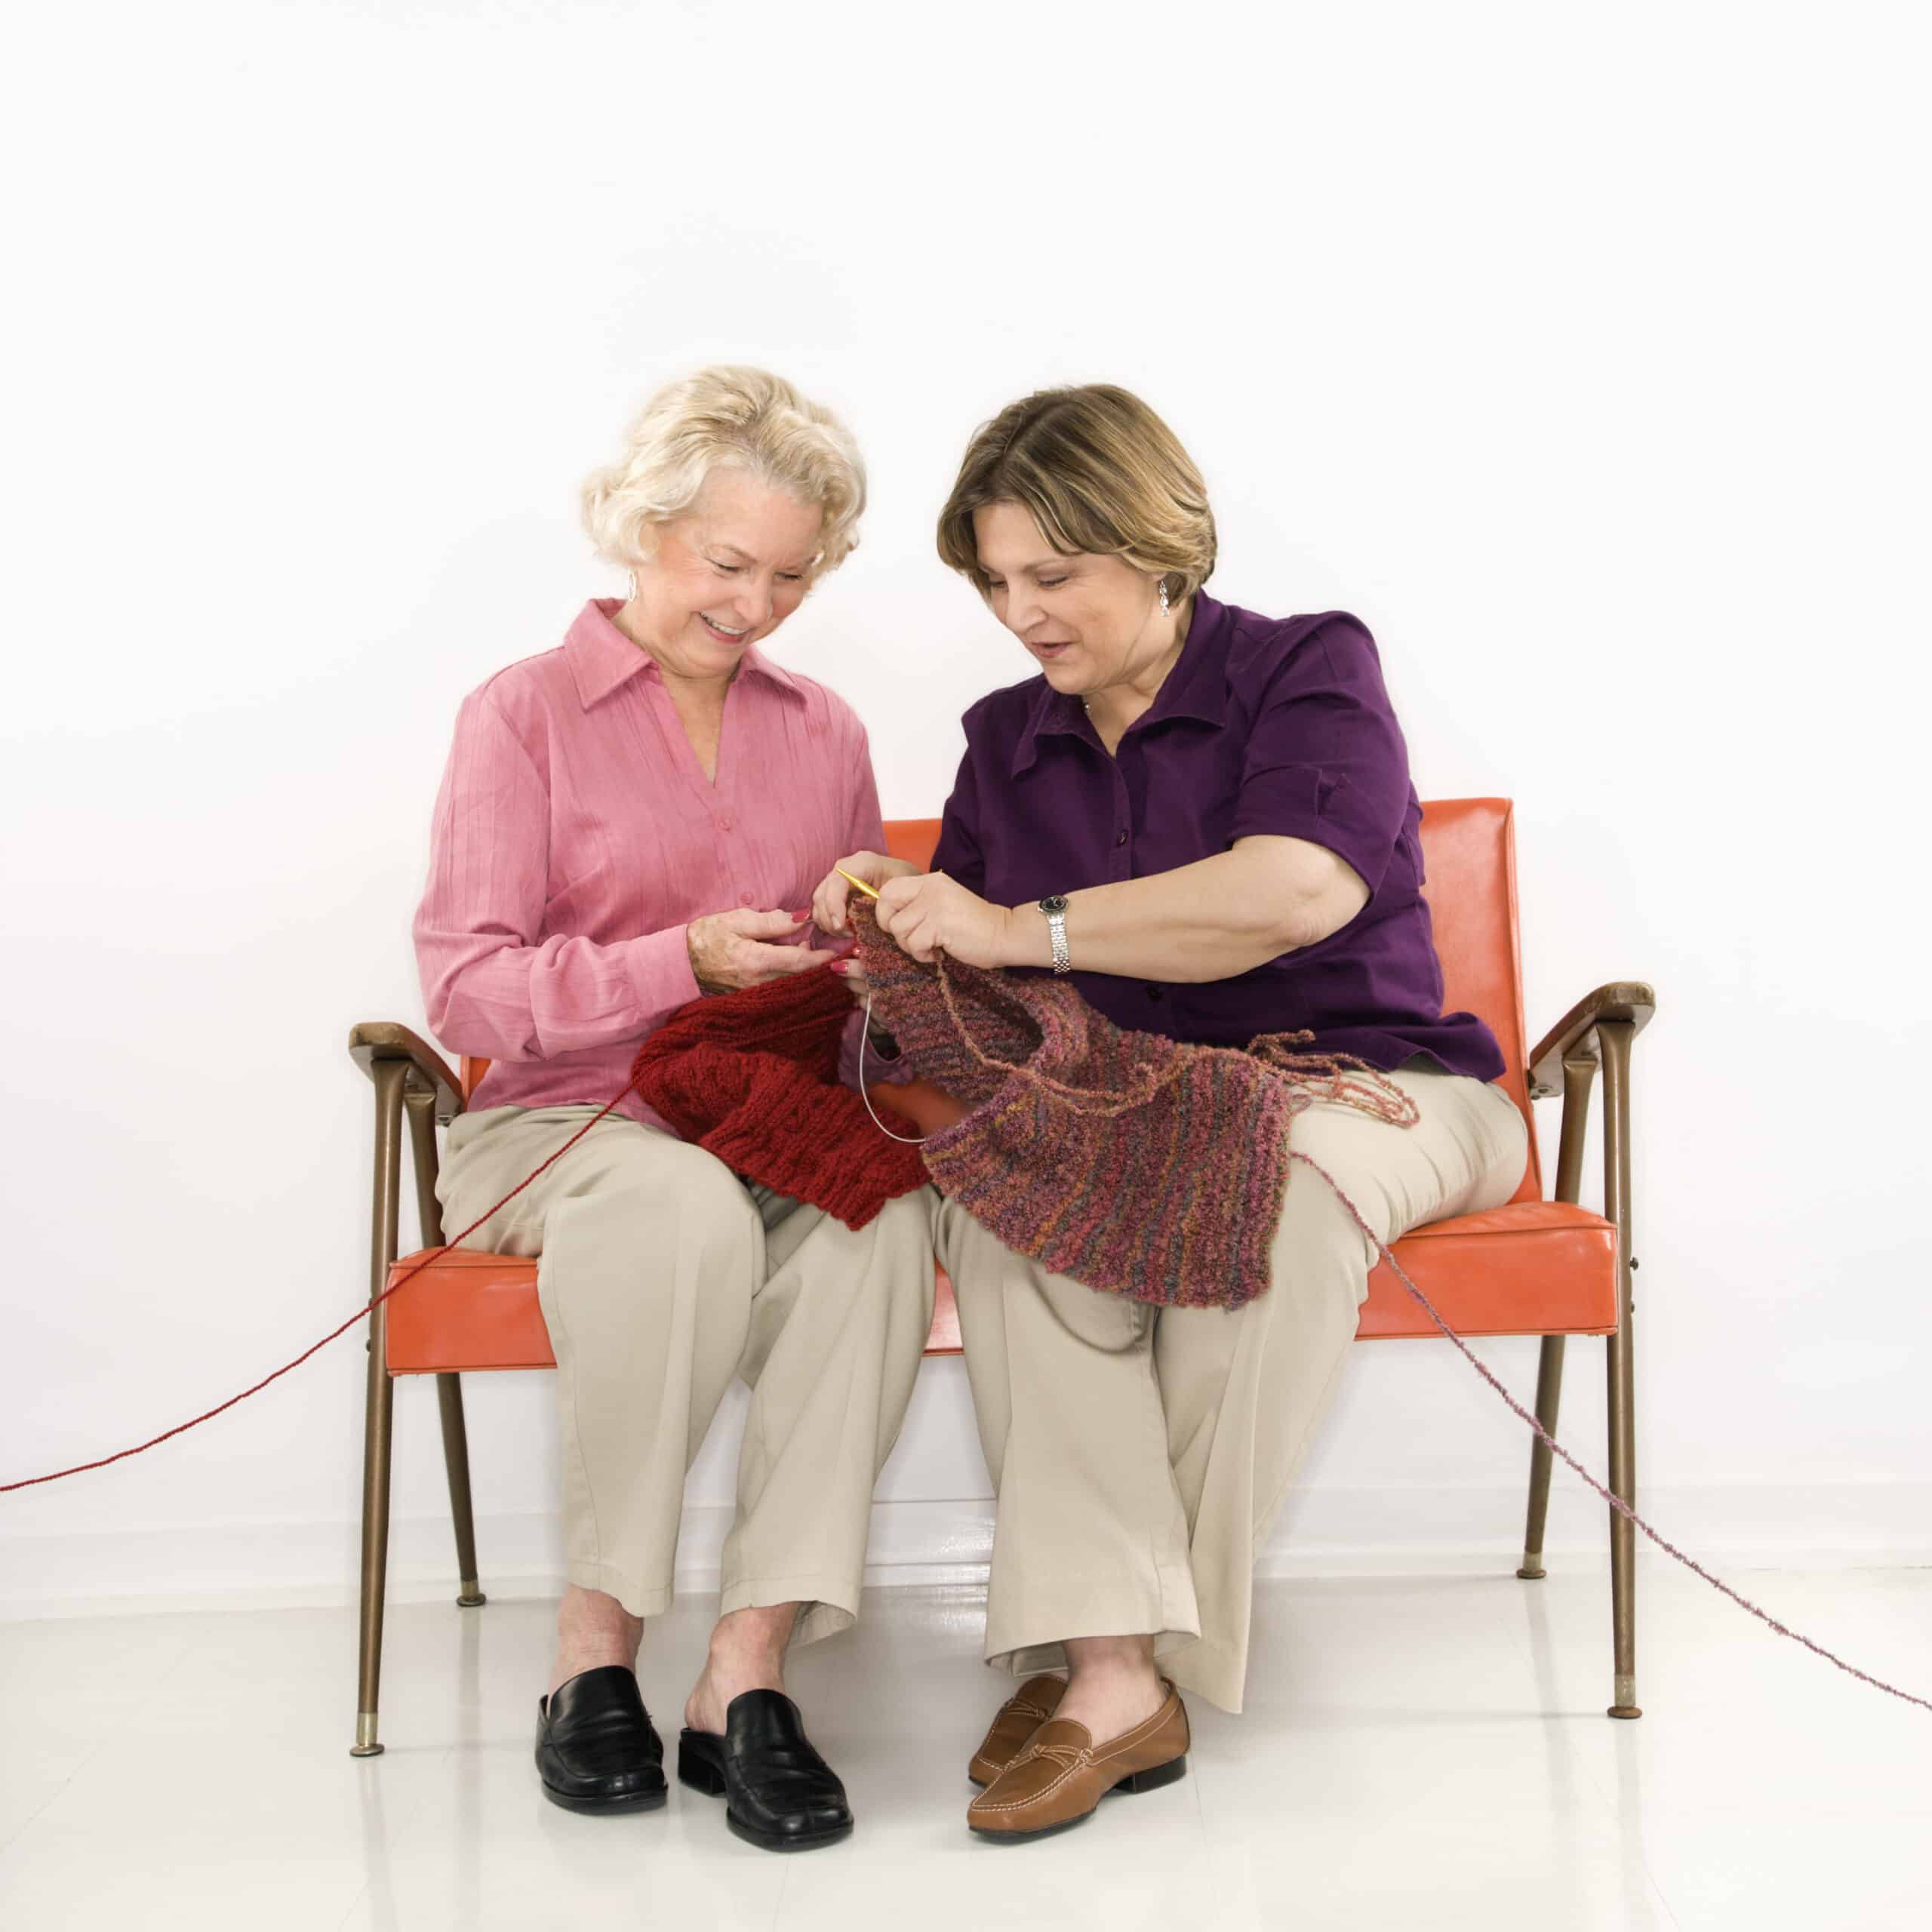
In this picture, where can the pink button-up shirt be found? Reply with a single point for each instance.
(576, 836)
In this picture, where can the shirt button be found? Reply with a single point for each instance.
(1120, 838)
(1157, 992)
(744, 899)
(724, 824)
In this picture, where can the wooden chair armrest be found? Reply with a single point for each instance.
(1573, 1037)
(377, 1040)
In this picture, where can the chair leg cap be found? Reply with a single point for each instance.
(1535, 1575)
(1624, 1711)
(475, 1602)
(365, 1750)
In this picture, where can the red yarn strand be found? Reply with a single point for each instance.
(362, 1314)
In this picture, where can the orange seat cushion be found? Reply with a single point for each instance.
(1533, 1268)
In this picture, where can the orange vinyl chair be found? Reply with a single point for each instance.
(1536, 1266)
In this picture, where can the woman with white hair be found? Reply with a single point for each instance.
(627, 822)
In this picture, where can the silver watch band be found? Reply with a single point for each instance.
(1054, 907)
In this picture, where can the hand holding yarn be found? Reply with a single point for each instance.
(852, 971)
(828, 902)
(738, 949)
(930, 913)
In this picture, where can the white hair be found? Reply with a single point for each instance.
(725, 416)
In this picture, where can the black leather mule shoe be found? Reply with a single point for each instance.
(596, 1748)
(779, 1793)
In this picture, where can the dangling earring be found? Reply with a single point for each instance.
(632, 598)
(1164, 597)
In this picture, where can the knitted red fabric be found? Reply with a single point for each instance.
(1130, 1161)
(752, 1077)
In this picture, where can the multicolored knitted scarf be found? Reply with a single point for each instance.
(1132, 1162)
(752, 1077)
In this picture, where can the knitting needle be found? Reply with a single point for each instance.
(870, 891)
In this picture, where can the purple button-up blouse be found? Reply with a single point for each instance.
(1264, 725)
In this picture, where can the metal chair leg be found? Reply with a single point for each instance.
(379, 1407)
(455, 1463)
(1578, 1077)
(421, 1103)
(1615, 1037)
(1549, 1393)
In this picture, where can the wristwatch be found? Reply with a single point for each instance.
(1054, 907)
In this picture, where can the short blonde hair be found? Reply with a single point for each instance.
(1101, 473)
(726, 417)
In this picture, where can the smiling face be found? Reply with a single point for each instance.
(1093, 624)
(726, 574)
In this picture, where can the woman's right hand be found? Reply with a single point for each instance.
(875, 868)
(730, 950)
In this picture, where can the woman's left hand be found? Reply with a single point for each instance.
(930, 913)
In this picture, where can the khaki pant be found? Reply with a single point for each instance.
(663, 1274)
(1138, 1453)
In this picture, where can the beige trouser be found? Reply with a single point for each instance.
(1137, 1453)
(662, 1274)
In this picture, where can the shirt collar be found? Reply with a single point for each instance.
(600, 657)
(1196, 687)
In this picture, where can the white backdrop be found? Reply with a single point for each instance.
(1583, 355)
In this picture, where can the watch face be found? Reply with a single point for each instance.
(1054, 902)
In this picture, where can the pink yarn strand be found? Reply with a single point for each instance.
(1609, 1495)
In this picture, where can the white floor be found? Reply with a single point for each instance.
(1426, 1752)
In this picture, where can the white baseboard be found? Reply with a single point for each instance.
(1325, 1532)
(1421, 1531)
(257, 1566)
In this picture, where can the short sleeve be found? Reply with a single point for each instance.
(1326, 760)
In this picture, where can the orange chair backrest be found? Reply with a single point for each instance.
(1469, 850)
(1468, 856)
(911, 839)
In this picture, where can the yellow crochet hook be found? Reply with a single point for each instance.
(870, 891)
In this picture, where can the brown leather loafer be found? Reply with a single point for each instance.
(1061, 1774)
(1022, 1714)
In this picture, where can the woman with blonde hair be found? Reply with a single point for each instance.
(1205, 816)
(627, 822)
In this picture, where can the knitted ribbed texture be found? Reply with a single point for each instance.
(752, 1077)
(1129, 1161)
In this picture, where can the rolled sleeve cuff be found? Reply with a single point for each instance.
(1302, 801)
(660, 964)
